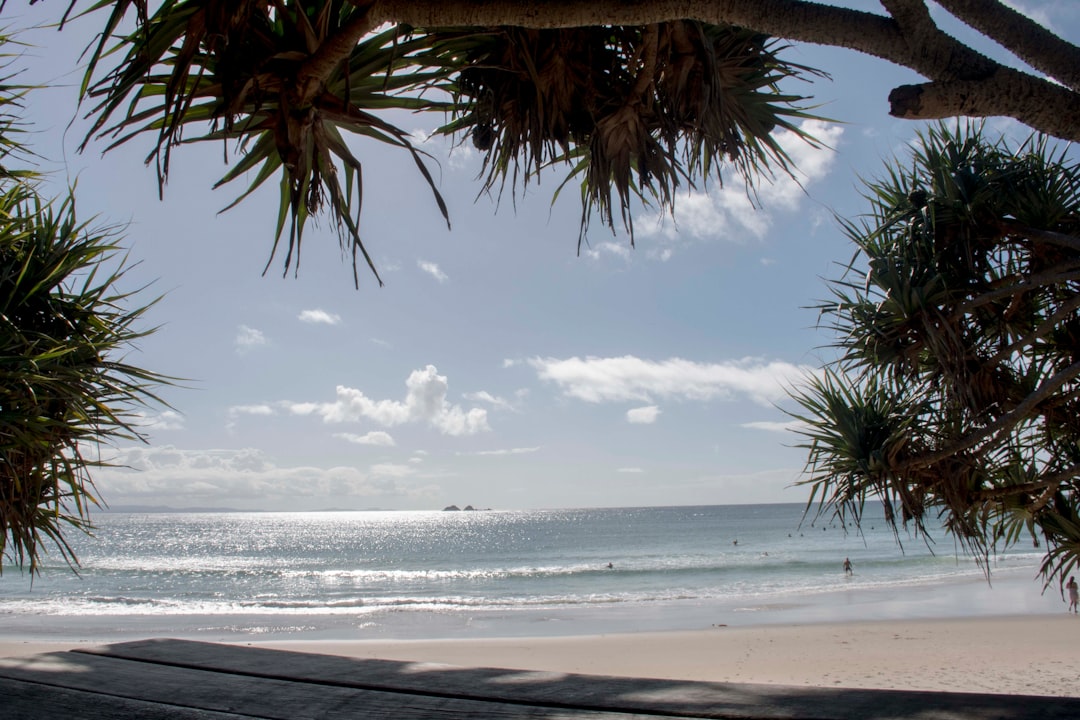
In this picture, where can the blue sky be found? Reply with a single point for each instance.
(496, 367)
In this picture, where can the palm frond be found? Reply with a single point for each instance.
(243, 73)
(968, 310)
(634, 112)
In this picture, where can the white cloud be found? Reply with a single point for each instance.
(617, 249)
(248, 338)
(425, 402)
(319, 317)
(375, 437)
(630, 470)
(463, 156)
(508, 451)
(632, 379)
(486, 397)
(643, 415)
(164, 420)
(734, 215)
(261, 410)
(302, 408)
(433, 270)
(782, 427)
(420, 136)
(231, 477)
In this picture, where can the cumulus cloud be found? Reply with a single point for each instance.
(632, 379)
(433, 270)
(221, 477)
(425, 402)
(248, 338)
(375, 437)
(643, 415)
(319, 317)
(731, 213)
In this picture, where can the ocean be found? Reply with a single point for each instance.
(378, 575)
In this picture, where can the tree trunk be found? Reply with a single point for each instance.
(962, 82)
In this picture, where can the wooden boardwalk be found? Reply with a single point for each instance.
(185, 680)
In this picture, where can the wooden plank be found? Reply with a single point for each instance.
(34, 701)
(223, 692)
(598, 693)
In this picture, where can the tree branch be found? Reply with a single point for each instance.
(332, 52)
(914, 20)
(1003, 423)
(1022, 36)
(1041, 330)
(1039, 104)
(985, 87)
(1011, 227)
(793, 19)
(1059, 274)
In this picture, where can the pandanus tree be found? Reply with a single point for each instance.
(634, 100)
(630, 112)
(955, 393)
(631, 100)
(67, 326)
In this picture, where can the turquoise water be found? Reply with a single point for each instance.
(434, 573)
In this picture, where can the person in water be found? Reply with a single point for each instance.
(847, 567)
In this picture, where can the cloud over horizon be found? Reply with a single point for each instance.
(223, 477)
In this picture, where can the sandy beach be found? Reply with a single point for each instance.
(1027, 655)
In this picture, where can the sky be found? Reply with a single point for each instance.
(497, 367)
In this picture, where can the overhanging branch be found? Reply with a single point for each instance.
(1041, 105)
(962, 82)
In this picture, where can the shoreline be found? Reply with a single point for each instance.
(964, 635)
(1011, 593)
(1015, 655)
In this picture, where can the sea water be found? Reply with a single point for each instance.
(355, 575)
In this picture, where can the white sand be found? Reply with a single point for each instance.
(1030, 655)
